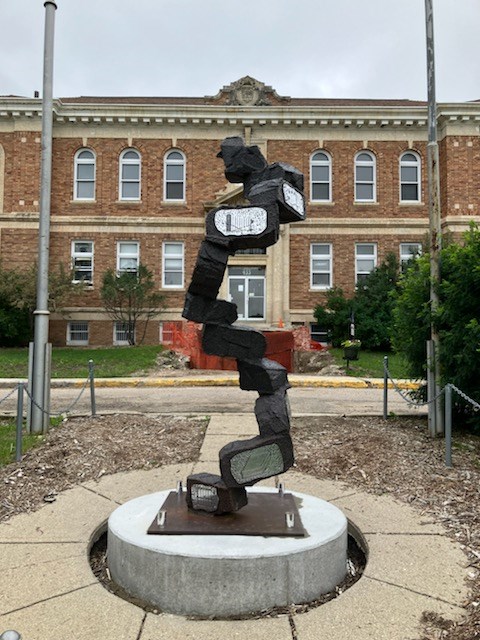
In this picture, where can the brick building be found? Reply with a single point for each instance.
(133, 178)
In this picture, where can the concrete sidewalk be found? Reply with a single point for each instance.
(50, 593)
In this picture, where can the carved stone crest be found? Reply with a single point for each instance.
(247, 92)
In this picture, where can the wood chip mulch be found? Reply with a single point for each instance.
(83, 449)
(398, 458)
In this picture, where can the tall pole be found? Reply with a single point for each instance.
(41, 313)
(434, 209)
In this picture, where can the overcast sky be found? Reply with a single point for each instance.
(303, 48)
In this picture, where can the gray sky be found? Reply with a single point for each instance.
(303, 48)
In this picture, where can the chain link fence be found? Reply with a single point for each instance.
(21, 388)
(446, 392)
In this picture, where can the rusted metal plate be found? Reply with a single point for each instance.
(264, 515)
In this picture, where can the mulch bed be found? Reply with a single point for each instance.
(83, 449)
(398, 458)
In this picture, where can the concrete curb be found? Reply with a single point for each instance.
(230, 380)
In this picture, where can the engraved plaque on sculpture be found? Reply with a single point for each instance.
(262, 462)
(240, 222)
(204, 498)
(294, 199)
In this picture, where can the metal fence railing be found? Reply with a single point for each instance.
(21, 388)
(446, 391)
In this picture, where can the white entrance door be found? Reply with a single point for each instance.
(246, 287)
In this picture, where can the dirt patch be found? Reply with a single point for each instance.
(316, 363)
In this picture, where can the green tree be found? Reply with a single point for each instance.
(129, 297)
(373, 303)
(411, 316)
(18, 300)
(372, 306)
(457, 319)
(334, 315)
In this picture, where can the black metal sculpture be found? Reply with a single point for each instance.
(275, 192)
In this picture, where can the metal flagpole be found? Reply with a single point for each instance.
(434, 211)
(41, 313)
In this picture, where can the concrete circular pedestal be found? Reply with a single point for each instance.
(226, 575)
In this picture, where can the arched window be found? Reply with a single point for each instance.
(174, 176)
(410, 175)
(130, 174)
(365, 177)
(84, 188)
(321, 177)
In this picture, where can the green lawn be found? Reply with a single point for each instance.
(370, 364)
(7, 441)
(69, 362)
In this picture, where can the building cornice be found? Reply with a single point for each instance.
(318, 116)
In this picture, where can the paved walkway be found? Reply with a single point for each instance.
(206, 391)
(50, 593)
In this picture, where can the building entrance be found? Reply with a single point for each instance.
(246, 288)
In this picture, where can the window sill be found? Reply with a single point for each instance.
(321, 203)
(321, 288)
(369, 203)
(167, 288)
(127, 202)
(413, 203)
(75, 343)
(77, 202)
(173, 203)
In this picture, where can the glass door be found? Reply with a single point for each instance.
(246, 287)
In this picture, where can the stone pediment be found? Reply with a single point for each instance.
(232, 195)
(249, 92)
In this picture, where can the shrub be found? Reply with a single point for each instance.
(335, 315)
(372, 306)
(457, 320)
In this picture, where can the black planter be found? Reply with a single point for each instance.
(350, 353)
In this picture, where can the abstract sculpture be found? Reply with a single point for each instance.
(275, 193)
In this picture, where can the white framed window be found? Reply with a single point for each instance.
(128, 257)
(77, 333)
(130, 175)
(365, 260)
(321, 177)
(174, 176)
(120, 334)
(410, 177)
(409, 251)
(173, 265)
(321, 276)
(84, 171)
(82, 261)
(365, 177)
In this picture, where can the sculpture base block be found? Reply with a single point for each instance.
(221, 576)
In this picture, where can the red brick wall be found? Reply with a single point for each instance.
(301, 296)
(387, 155)
(459, 166)
(204, 177)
